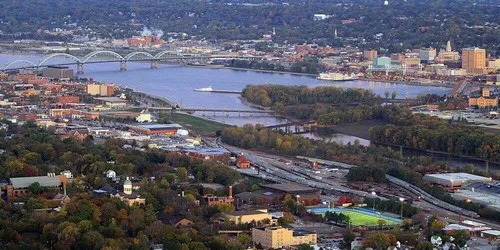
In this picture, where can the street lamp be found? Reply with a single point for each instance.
(375, 196)
(401, 200)
(297, 204)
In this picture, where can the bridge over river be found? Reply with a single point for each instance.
(107, 56)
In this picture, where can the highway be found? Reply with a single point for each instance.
(277, 170)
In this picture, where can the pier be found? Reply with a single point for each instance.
(226, 91)
(221, 91)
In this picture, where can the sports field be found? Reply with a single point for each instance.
(360, 219)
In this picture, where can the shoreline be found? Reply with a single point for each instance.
(407, 83)
(27, 53)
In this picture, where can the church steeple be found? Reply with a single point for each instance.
(448, 46)
(127, 186)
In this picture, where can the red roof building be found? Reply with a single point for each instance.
(242, 162)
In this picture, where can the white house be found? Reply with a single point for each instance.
(110, 174)
(67, 173)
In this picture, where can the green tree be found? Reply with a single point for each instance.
(181, 174)
(244, 239)
(35, 188)
(424, 245)
(304, 246)
(348, 237)
(394, 94)
(461, 237)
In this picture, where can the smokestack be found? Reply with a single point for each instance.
(230, 192)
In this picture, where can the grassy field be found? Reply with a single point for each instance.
(197, 124)
(360, 219)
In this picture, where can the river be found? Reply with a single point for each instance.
(177, 83)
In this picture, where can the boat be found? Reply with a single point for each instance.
(337, 77)
(207, 89)
(196, 64)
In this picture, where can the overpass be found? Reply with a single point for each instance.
(211, 110)
(107, 56)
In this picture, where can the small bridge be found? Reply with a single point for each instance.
(107, 56)
(295, 127)
(211, 110)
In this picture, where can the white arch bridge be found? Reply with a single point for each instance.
(106, 56)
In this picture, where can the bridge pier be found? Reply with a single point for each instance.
(154, 64)
(79, 68)
(123, 66)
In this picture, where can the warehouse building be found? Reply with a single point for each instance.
(18, 186)
(156, 129)
(455, 179)
(303, 194)
(58, 72)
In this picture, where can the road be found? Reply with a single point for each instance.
(277, 169)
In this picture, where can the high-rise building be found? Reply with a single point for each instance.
(100, 89)
(370, 55)
(427, 54)
(474, 60)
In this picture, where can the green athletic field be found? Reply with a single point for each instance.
(360, 219)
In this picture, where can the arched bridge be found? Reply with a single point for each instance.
(106, 56)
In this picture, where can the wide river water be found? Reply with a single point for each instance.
(177, 83)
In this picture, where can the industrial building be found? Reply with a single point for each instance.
(303, 194)
(18, 186)
(279, 237)
(156, 128)
(455, 179)
(242, 217)
(218, 154)
(58, 72)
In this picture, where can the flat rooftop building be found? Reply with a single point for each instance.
(304, 194)
(57, 72)
(18, 186)
(279, 237)
(455, 179)
(156, 128)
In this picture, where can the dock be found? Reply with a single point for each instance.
(221, 91)
(226, 91)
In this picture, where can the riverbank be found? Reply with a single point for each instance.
(200, 125)
(408, 82)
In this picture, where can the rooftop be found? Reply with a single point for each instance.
(241, 213)
(300, 232)
(472, 223)
(45, 181)
(289, 187)
(492, 232)
(155, 126)
(459, 177)
(209, 151)
(110, 99)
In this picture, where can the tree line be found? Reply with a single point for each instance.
(428, 133)
(271, 94)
